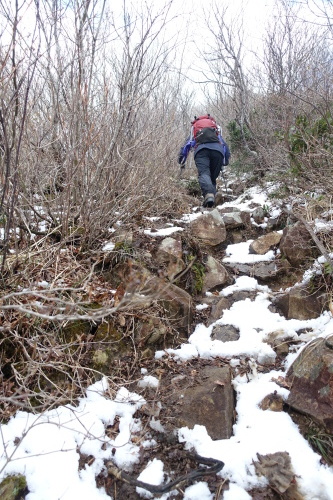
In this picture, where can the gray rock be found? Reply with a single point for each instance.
(261, 270)
(210, 403)
(311, 380)
(225, 333)
(242, 295)
(209, 228)
(296, 245)
(265, 243)
(170, 253)
(300, 302)
(218, 308)
(216, 275)
(258, 215)
(233, 220)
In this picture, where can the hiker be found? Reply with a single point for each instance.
(211, 154)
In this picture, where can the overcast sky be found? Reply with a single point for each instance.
(190, 25)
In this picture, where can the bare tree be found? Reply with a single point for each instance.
(19, 60)
(100, 96)
(263, 94)
(88, 107)
(298, 65)
(225, 58)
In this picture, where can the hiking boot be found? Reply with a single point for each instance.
(209, 200)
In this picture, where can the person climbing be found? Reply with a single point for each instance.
(211, 154)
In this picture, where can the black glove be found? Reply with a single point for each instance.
(181, 159)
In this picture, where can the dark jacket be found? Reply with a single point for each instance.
(189, 144)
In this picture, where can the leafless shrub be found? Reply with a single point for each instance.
(87, 118)
(95, 124)
(59, 336)
(262, 96)
(225, 57)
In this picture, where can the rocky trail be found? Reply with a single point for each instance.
(192, 385)
(227, 343)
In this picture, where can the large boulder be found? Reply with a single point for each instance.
(265, 270)
(233, 219)
(216, 275)
(13, 487)
(311, 382)
(209, 228)
(265, 243)
(177, 303)
(296, 245)
(301, 302)
(210, 403)
(169, 254)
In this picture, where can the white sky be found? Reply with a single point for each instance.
(188, 27)
(45, 447)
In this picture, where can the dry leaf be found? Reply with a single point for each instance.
(121, 320)
(281, 382)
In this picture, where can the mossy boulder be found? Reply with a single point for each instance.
(75, 329)
(101, 359)
(177, 304)
(311, 382)
(13, 488)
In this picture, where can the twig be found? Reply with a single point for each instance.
(316, 240)
(215, 467)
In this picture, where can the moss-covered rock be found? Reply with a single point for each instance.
(101, 359)
(75, 329)
(13, 488)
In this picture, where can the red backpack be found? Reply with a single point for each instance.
(204, 122)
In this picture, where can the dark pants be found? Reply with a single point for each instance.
(209, 164)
